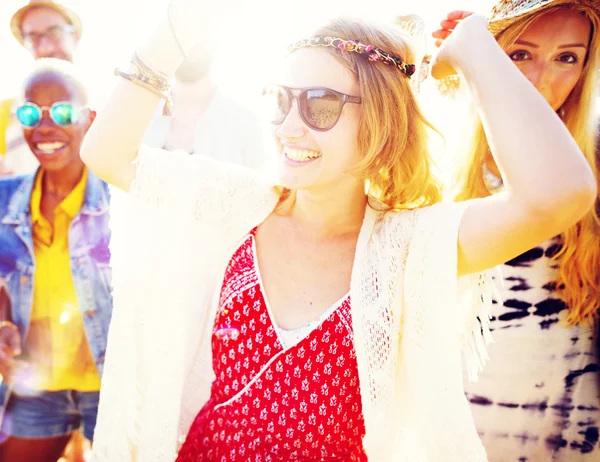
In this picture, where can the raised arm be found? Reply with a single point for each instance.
(549, 184)
(113, 141)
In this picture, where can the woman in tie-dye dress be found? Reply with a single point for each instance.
(538, 400)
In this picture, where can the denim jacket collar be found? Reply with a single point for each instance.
(95, 203)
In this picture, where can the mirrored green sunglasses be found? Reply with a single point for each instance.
(61, 113)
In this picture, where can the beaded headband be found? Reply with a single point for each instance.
(373, 54)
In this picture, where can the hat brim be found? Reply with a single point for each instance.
(71, 17)
(496, 26)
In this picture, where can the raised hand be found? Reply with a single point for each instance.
(448, 25)
(196, 21)
(458, 32)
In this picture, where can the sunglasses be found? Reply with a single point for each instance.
(53, 33)
(320, 108)
(62, 113)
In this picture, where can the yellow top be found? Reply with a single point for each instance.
(5, 108)
(56, 341)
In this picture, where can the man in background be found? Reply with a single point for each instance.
(46, 29)
(206, 121)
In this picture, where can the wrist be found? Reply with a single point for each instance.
(162, 51)
(475, 48)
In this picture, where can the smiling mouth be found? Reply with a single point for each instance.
(301, 155)
(51, 147)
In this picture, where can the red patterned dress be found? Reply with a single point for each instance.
(270, 402)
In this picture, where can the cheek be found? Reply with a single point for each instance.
(563, 85)
(275, 137)
(341, 143)
(27, 136)
(69, 43)
(347, 136)
(75, 135)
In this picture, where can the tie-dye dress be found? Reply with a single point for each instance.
(538, 398)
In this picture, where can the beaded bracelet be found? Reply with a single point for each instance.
(150, 79)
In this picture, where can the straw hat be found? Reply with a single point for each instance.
(67, 13)
(507, 12)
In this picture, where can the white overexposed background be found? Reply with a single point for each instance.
(113, 28)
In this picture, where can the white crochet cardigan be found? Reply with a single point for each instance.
(173, 235)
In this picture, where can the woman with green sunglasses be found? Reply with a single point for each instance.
(54, 267)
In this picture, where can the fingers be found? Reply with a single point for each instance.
(448, 24)
(6, 366)
(441, 34)
(458, 15)
(15, 344)
(10, 340)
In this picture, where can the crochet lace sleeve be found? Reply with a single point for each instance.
(168, 234)
(198, 183)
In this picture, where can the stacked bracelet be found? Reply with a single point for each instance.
(150, 79)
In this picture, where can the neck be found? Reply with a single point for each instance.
(330, 212)
(62, 182)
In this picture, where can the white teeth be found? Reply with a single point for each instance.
(50, 147)
(301, 155)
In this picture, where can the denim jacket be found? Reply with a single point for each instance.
(89, 253)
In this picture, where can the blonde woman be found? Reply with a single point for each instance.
(314, 320)
(539, 397)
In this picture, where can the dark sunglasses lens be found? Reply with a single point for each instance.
(29, 115)
(276, 104)
(320, 108)
(63, 114)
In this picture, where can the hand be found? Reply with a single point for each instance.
(460, 28)
(10, 347)
(198, 21)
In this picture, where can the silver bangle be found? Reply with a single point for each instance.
(150, 79)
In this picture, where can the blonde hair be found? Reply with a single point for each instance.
(53, 66)
(392, 133)
(578, 278)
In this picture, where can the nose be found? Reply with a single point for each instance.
(46, 123)
(292, 126)
(540, 75)
(45, 47)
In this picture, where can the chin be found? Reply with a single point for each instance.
(297, 178)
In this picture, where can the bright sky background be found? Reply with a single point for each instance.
(113, 28)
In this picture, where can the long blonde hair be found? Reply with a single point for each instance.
(392, 133)
(578, 278)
